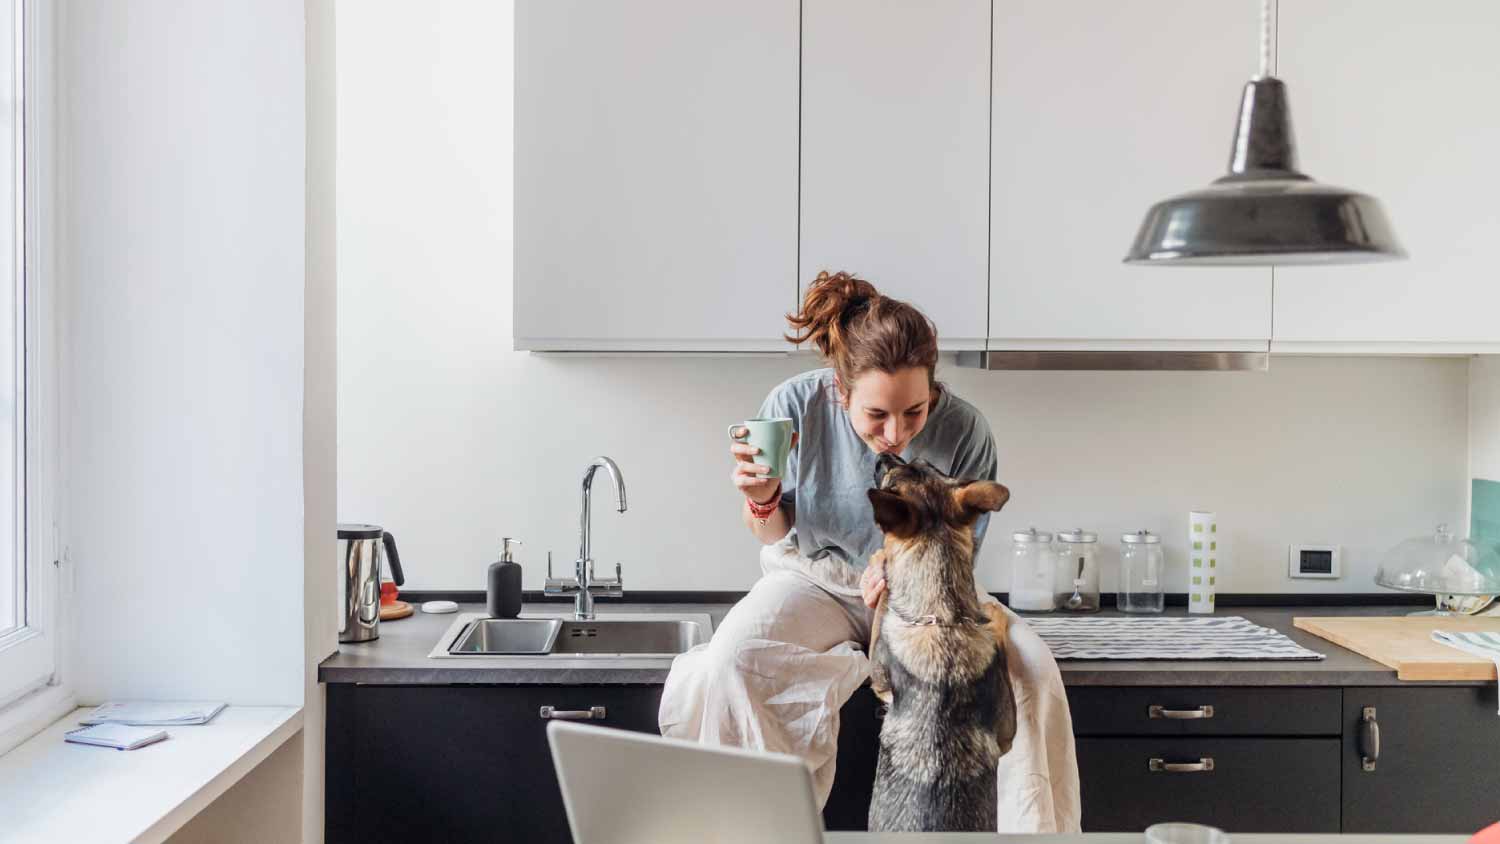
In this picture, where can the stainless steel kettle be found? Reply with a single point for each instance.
(360, 555)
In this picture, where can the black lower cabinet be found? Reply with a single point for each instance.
(457, 763)
(848, 806)
(471, 763)
(1437, 768)
(1236, 784)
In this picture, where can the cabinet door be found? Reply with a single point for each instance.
(895, 153)
(656, 174)
(456, 763)
(1403, 103)
(1236, 784)
(1100, 110)
(1436, 771)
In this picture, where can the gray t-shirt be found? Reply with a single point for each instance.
(831, 469)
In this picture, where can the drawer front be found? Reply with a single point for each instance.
(1236, 784)
(1205, 711)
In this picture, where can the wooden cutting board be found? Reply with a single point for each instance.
(393, 611)
(1405, 643)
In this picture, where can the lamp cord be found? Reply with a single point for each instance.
(1267, 28)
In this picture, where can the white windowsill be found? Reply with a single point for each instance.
(51, 790)
(31, 714)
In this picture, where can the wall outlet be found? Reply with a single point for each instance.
(1321, 561)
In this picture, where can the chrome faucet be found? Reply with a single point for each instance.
(584, 586)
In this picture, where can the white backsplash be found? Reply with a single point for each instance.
(452, 454)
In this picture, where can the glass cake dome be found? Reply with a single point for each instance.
(1462, 577)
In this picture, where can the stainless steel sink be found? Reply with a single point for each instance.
(627, 637)
(508, 636)
(602, 637)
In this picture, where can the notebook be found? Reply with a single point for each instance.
(118, 736)
(146, 713)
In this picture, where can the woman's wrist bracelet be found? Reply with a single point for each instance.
(762, 512)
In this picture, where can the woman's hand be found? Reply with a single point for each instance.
(748, 476)
(872, 581)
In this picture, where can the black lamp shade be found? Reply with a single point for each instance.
(1264, 211)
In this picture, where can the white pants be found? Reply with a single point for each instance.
(789, 655)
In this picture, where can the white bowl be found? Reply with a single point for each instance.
(1185, 833)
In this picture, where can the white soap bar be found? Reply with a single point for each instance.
(440, 606)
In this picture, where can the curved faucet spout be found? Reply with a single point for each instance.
(583, 525)
(614, 475)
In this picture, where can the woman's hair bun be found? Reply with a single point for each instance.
(858, 329)
(832, 301)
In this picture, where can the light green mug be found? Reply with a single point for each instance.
(773, 436)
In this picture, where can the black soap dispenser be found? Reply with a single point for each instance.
(503, 589)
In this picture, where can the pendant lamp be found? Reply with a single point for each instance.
(1265, 211)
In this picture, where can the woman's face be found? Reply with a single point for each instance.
(889, 410)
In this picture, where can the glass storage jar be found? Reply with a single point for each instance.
(1078, 571)
(1033, 566)
(1140, 572)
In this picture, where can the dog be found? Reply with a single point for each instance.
(938, 656)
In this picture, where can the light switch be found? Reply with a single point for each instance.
(1321, 561)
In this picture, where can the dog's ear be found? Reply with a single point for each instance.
(892, 513)
(978, 497)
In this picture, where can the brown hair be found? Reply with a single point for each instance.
(857, 329)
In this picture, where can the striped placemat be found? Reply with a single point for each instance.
(1216, 637)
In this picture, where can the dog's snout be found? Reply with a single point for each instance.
(884, 465)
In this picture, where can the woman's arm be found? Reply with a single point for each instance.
(777, 525)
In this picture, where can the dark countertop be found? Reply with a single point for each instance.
(399, 657)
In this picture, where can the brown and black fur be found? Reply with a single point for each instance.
(950, 713)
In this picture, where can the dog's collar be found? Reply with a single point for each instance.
(932, 621)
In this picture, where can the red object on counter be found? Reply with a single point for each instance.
(388, 592)
(1488, 835)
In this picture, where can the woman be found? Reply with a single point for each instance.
(787, 656)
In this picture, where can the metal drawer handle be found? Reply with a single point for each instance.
(1157, 711)
(1369, 739)
(593, 713)
(1206, 763)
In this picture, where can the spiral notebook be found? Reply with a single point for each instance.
(148, 713)
(118, 736)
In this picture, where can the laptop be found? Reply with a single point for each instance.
(622, 787)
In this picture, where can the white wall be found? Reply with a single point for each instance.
(451, 440)
(182, 129)
(1484, 417)
(320, 391)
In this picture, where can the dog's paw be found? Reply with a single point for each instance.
(999, 621)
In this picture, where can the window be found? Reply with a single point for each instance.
(12, 329)
(28, 464)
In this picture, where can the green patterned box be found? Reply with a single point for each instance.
(1485, 525)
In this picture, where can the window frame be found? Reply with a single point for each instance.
(32, 657)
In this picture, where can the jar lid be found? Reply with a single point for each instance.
(1078, 535)
(1031, 535)
(1145, 536)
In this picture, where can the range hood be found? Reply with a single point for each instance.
(1140, 360)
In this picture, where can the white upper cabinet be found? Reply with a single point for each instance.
(895, 153)
(655, 174)
(1100, 110)
(1400, 101)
